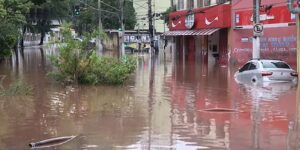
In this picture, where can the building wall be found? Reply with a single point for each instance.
(141, 8)
(183, 4)
(277, 43)
(279, 36)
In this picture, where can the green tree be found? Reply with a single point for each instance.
(12, 19)
(43, 12)
(165, 15)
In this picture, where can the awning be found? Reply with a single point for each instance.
(191, 32)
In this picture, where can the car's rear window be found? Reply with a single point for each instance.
(278, 64)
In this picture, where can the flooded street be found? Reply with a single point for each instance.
(166, 104)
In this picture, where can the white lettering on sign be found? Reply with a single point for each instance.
(263, 17)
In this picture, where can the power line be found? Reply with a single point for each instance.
(111, 12)
(110, 6)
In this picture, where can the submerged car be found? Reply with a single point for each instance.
(266, 70)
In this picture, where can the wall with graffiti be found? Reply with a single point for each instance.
(277, 43)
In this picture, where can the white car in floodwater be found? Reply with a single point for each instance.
(266, 70)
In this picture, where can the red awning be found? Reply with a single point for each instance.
(191, 32)
(206, 31)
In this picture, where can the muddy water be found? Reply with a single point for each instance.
(165, 105)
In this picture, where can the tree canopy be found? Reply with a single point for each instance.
(45, 11)
(37, 15)
(12, 16)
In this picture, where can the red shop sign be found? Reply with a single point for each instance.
(218, 16)
(275, 15)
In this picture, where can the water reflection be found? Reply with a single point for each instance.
(159, 108)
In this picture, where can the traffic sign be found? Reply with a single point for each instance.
(258, 29)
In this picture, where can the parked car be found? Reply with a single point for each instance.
(265, 70)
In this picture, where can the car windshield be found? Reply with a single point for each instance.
(275, 64)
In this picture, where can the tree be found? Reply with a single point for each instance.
(43, 12)
(12, 19)
(165, 15)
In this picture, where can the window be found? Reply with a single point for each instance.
(180, 4)
(200, 3)
(252, 66)
(207, 3)
(190, 4)
(222, 1)
(245, 67)
(269, 64)
(211, 2)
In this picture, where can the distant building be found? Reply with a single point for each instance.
(131, 37)
(158, 6)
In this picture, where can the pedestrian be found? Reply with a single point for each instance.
(166, 43)
(139, 44)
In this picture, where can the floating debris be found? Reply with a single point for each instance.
(89, 146)
(51, 142)
(221, 110)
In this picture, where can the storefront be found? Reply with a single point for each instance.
(201, 33)
(279, 34)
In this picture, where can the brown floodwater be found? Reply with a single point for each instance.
(165, 105)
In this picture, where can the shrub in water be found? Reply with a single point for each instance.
(17, 89)
(74, 63)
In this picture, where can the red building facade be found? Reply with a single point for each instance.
(223, 32)
(279, 36)
(201, 33)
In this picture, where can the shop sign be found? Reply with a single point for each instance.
(264, 17)
(275, 15)
(207, 22)
(190, 20)
(213, 17)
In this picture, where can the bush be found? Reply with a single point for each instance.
(76, 64)
(107, 70)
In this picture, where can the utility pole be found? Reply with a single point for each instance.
(296, 11)
(150, 17)
(121, 38)
(100, 23)
(298, 42)
(256, 39)
(99, 14)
